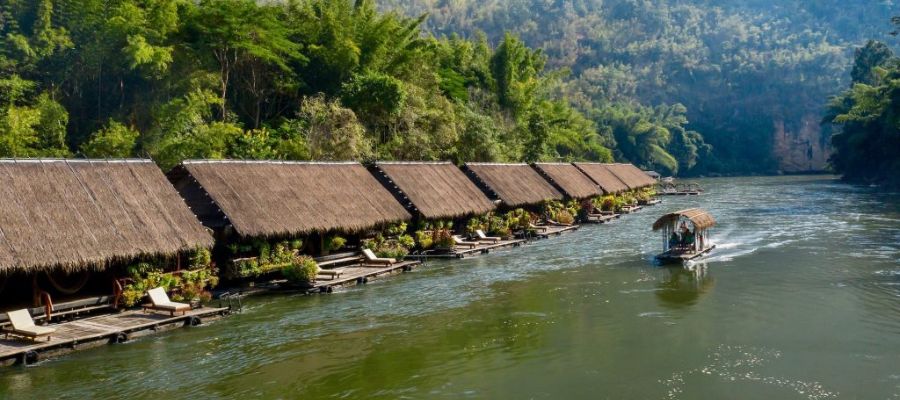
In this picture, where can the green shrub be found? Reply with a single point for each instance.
(406, 241)
(335, 242)
(296, 244)
(392, 250)
(302, 270)
(564, 217)
(424, 240)
(442, 238)
(264, 253)
(396, 229)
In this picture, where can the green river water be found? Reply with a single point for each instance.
(800, 301)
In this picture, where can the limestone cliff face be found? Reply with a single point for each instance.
(803, 147)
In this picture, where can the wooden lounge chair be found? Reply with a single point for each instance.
(462, 243)
(331, 273)
(485, 238)
(539, 228)
(21, 324)
(371, 258)
(159, 300)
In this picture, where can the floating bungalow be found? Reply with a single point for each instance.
(514, 186)
(604, 177)
(632, 176)
(569, 180)
(434, 190)
(69, 229)
(439, 191)
(270, 201)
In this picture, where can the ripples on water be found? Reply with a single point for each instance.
(800, 300)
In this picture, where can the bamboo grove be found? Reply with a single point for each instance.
(299, 79)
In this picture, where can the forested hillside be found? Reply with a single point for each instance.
(306, 79)
(867, 145)
(302, 79)
(753, 75)
(684, 87)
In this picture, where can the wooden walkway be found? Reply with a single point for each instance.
(94, 331)
(465, 252)
(359, 274)
(602, 218)
(681, 193)
(555, 230)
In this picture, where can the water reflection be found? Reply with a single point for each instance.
(683, 286)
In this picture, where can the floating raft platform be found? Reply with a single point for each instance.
(555, 230)
(602, 218)
(681, 193)
(463, 252)
(679, 258)
(359, 274)
(631, 209)
(94, 331)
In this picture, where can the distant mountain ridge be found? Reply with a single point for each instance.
(754, 75)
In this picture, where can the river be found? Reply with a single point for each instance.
(800, 301)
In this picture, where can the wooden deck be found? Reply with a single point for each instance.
(681, 257)
(98, 330)
(602, 218)
(359, 274)
(555, 230)
(681, 193)
(465, 252)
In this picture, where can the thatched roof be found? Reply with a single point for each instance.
(603, 176)
(435, 189)
(631, 175)
(569, 179)
(700, 218)
(514, 184)
(82, 214)
(282, 198)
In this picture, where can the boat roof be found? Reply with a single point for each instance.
(699, 217)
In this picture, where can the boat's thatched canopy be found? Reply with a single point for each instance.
(514, 184)
(436, 189)
(282, 198)
(631, 175)
(604, 177)
(700, 218)
(83, 214)
(574, 183)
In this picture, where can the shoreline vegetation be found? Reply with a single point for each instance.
(867, 145)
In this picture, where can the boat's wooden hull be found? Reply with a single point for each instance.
(669, 258)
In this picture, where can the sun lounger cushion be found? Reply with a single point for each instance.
(370, 256)
(160, 300)
(459, 241)
(482, 236)
(22, 324)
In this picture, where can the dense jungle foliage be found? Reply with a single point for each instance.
(735, 69)
(688, 87)
(304, 79)
(867, 145)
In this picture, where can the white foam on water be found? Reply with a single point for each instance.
(740, 364)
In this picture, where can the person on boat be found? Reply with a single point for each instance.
(689, 242)
(674, 240)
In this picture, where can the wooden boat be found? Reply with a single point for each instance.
(685, 235)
